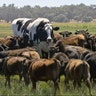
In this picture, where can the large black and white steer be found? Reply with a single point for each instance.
(40, 32)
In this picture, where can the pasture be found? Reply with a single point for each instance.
(73, 26)
(44, 89)
(6, 29)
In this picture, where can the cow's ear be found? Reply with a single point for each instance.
(12, 39)
(76, 32)
(55, 28)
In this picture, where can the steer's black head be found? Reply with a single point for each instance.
(45, 31)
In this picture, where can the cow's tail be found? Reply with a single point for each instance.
(4, 62)
(87, 76)
(57, 69)
(86, 70)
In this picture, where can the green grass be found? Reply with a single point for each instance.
(73, 26)
(5, 29)
(44, 89)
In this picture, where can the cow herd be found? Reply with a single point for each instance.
(36, 53)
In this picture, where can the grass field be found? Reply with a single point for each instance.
(73, 26)
(44, 89)
(6, 28)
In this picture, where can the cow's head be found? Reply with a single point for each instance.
(23, 41)
(12, 42)
(45, 31)
(53, 50)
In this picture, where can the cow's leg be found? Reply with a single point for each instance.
(78, 82)
(74, 84)
(40, 52)
(33, 84)
(89, 85)
(26, 79)
(56, 86)
(20, 78)
(66, 83)
(7, 81)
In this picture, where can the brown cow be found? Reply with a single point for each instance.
(57, 37)
(15, 52)
(78, 70)
(30, 55)
(65, 33)
(15, 42)
(44, 70)
(77, 40)
(63, 58)
(15, 66)
(12, 42)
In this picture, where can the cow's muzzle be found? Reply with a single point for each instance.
(49, 39)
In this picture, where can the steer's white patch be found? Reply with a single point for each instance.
(32, 26)
(48, 28)
(15, 26)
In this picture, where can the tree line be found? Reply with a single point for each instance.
(64, 13)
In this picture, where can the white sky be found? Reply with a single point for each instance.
(49, 3)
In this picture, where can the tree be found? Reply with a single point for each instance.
(87, 19)
(60, 18)
(64, 13)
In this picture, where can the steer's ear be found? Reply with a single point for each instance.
(55, 28)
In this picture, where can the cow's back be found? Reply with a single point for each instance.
(17, 27)
(77, 69)
(45, 69)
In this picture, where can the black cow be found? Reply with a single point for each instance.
(15, 66)
(70, 51)
(91, 59)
